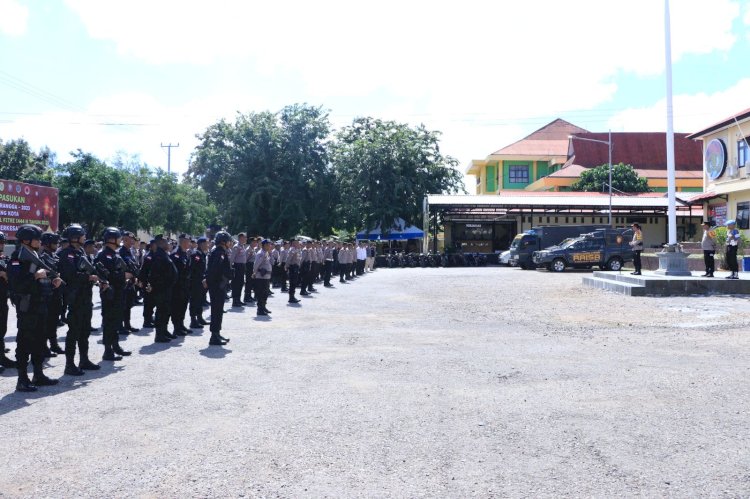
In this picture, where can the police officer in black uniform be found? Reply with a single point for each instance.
(79, 282)
(148, 302)
(181, 289)
(161, 278)
(218, 274)
(113, 296)
(30, 289)
(4, 360)
(131, 294)
(197, 291)
(48, 255)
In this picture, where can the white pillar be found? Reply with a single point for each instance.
(672, 213)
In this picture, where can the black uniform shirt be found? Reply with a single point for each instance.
(219, 271)
(197, 269)
(163, 274)
(181, 261)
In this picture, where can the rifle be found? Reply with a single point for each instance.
(85, 266)
(28, 256)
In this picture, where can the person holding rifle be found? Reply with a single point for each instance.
(31, 286)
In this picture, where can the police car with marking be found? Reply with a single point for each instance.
(608, 249)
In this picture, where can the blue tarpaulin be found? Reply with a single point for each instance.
(399, 232)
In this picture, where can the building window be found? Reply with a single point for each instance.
(743, 215)
(518, 174)
(743, 153)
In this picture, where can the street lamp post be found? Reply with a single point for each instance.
(608, 143)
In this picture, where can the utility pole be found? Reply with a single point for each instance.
(169, 155)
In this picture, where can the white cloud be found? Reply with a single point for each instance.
(691, 112)
(147, 124)
(13, 17)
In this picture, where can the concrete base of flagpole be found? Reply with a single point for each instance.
(672, 261)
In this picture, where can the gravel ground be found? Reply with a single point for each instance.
(480, 382)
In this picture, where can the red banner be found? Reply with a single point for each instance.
(27, 204)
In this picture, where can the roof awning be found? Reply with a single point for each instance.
(705, 196)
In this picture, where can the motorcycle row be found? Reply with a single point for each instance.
(413, 260)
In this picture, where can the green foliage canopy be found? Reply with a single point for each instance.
(624, 179)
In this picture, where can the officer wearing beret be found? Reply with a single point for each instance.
(30, 289)
(218, 274)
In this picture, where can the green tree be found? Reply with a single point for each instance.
(624, 179)
(268, 172)
(19, 162)
(90, 192)
(384, 169)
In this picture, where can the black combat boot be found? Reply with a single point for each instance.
(131, 328)
(4, 360)
(194, 324)
(39, 378)
(71, 369)
(162, 337)
(119, 351)
(216, 340)
(24, 384)
(109, 354)
(54, 346)
(203, 321)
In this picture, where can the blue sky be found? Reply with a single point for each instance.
(127, 76)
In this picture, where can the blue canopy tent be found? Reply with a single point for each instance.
(398, 232)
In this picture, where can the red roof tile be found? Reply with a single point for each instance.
(642, 150)
(550, 140)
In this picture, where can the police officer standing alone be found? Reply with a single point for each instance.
(30, 289)
(637, 245)
(708, 245)
(218, 274)
(78, 294)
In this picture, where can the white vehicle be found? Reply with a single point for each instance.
(504, 258)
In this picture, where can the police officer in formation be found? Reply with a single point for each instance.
(45, 283)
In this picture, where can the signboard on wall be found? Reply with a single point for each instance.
(717, 214)
(27, 204)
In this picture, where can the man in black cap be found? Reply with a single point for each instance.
(181, 289)
(160, 281)
(218, 274)
(30, 288)
(148, 301)
(197, 291)
(113, 296)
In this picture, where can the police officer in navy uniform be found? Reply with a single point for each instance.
(4, 360)
(131, 294)
(30, 289)
(48, 255)
(218, 274)
(113, 296)
(161, 278)
(77, 292)
(197, 291)
(181, 289)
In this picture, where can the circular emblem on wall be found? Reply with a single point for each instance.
(716, 158)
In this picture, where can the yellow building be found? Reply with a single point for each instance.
(726, 173)
(553, 158)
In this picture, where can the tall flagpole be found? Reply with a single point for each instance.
(672, 213)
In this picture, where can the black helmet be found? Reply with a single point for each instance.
(73, 232)
(50, 238)
(2, 237)
(222, 237)
(111, 233)
(28, 232)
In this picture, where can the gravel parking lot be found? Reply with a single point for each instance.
(453, 382)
